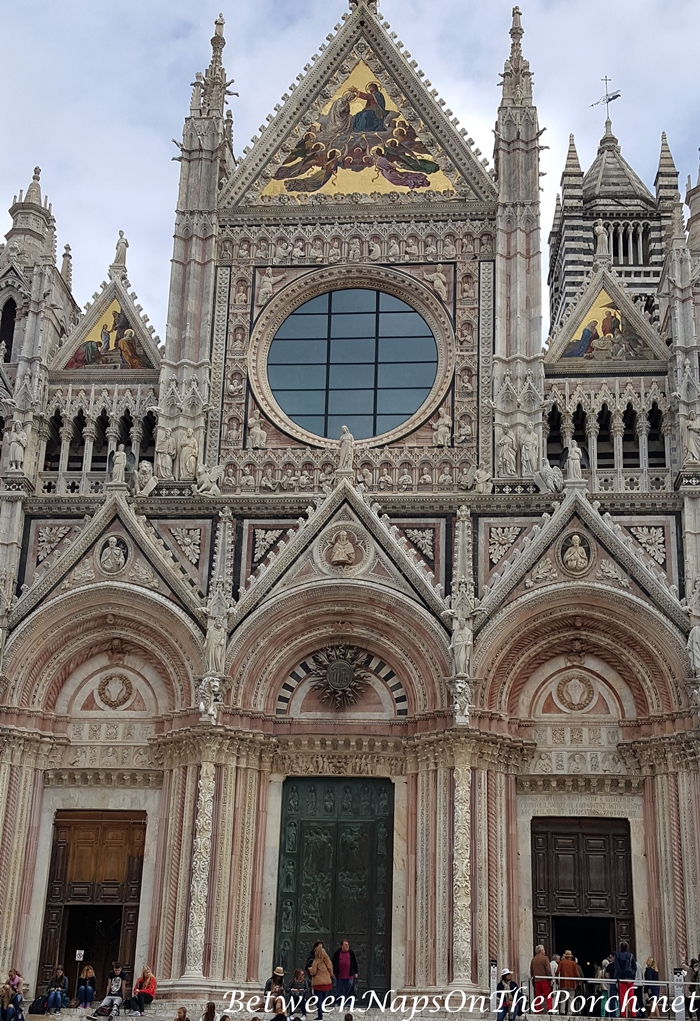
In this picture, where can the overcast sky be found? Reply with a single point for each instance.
(93, 91)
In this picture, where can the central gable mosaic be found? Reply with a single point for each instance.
(361, 143)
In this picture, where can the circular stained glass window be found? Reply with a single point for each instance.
(354, 357)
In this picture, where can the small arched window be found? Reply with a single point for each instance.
(7, 326)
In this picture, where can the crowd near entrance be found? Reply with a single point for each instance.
(335, 874)
(94, 888)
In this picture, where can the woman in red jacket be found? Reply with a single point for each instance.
(144, 993)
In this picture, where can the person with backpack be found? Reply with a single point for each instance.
(114, 994)
(56, 990)
(624, 971)
(11, 996)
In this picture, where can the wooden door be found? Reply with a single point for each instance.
(335, 874)
(581, 867)
(96, 859)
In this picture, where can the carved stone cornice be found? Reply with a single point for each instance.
(103, 778)
(579, 784)
(668, 753)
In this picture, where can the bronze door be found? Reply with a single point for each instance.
(581, 868)
(335, 874)
(96, 863)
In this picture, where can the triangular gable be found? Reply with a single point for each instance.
(536, 548)
(605, 329)
(390, 107)
(113, 335)
(152, 561)
(400, 557)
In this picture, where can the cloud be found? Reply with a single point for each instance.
(94, 92)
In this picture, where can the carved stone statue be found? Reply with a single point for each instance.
(694, 649)
(146, 481)
(691, 450)
(461, 647)
(602, 249)
(342, 551)
(187, 457)
(18, 444)
(267, 285)
(507, 453)
(166, 449)
(442, 428)
(346, 450)
(120, 253)
(257, 437)
(112, 558)
(439, 281)
(215, 645)
(483, 480)
(576, 558)
(208, 480)
(462, 693)
(529, 451)
(119, 466)
(573, 461)
(209, 696)
(549, 479)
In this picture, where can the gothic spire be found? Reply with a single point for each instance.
(572, 177)
(572, 165)
(666, 180)
(517, 77)
(214, 85)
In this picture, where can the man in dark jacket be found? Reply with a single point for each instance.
(624, 969)
(344, 969)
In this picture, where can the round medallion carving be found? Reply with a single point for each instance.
(344, 549)
(115, 690)
(575, 692)
(575, 555)
(340, 675)
(112, 555)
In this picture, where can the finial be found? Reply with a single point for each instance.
(34, 189)
(67, 266)
(219, 25)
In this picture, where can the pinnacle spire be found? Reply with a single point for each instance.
(572, 165)
(517, 77)
(666, 180)
(34, 189)
(213, 86)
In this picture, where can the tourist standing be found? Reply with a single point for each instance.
(651, 978)
(541, 974)
(321, 972)
(345, 970)
(624, 971)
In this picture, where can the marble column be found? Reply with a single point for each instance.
(89, 435)
(592, 430)
(689, 833)
(66, 433)
(642, 428)
(617, 428)
(199, 882)
(13, 850)
(242, 861)
(222, 869)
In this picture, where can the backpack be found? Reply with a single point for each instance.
(38, 1006)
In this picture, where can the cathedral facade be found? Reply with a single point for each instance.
(350, 610)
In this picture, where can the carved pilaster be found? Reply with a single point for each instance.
(461, 874)
(201, 860)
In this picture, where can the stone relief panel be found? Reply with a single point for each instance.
(498, 538)
(48, 539)
(576, 702)
(190, 539)
(261, 539)
(657, 535)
